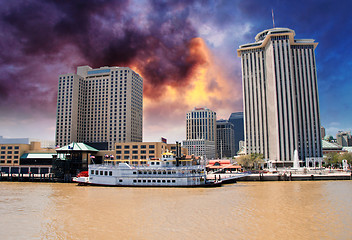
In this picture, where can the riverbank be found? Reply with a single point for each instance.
(284, 176)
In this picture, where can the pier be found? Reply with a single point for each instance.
(312, 175)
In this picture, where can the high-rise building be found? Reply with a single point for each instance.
(225, 138)
(236, 119)
(201, 126)
(344, 139)
(280, 96)
(103, 105)
(322, 132)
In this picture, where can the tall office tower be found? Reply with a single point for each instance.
(225, 138)
(201, 125)
(101, 106)
(236, 119)
(322, 132)
(280, 96)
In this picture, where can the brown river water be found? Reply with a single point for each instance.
(246, 210)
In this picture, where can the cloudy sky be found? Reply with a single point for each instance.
(185, 51)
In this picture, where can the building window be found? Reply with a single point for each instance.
(134, 152)
(126, 152)
(118, 147)
(151, 151)
(151, 146)
(135, 146)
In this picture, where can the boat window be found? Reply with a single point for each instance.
(157, 163)
(134, 172)
(101, 173)
(154, 172)
(149, 180)
(139, 172)
(152, 163)
(134, 180)
(159, 172)
(139, 180)
(173, 172)
(158, 181)
(106, 173)
(164, 172)
(168, 172)
(168, 181)
(110, 173)
(154, 180)
(144, 180)
(149, 172)
(145, 172)
(92, 172)
(120, 180)
(96, 172)
(173, 181)
(163, 181)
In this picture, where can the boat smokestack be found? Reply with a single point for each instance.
(177, 154)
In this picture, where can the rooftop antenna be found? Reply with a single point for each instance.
(272, 14)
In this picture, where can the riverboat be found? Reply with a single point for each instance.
(165, 172)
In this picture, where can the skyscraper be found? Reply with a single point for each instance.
(280, 96)
(103, 105)
(225, 138)
(201, 126)
(236, 119)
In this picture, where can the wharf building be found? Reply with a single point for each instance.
(99, 107)
(236, 119)
(225, 139)
(280, 97)
(25, 158)
(201, 133)
(144, 150)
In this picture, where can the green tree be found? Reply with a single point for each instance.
(251, 161)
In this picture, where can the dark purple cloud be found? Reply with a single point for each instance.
(41, 33)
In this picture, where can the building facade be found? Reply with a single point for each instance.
(14, 154)
(225, 139)
(200, 147)
(236, 119)
(344, 139)
(280, 96)
(144, 150)
(322, 132)
(201, 126)
(102, 105)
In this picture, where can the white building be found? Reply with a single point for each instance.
(200, 147)
(280, 96)
(201, 126)
(103, 105)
